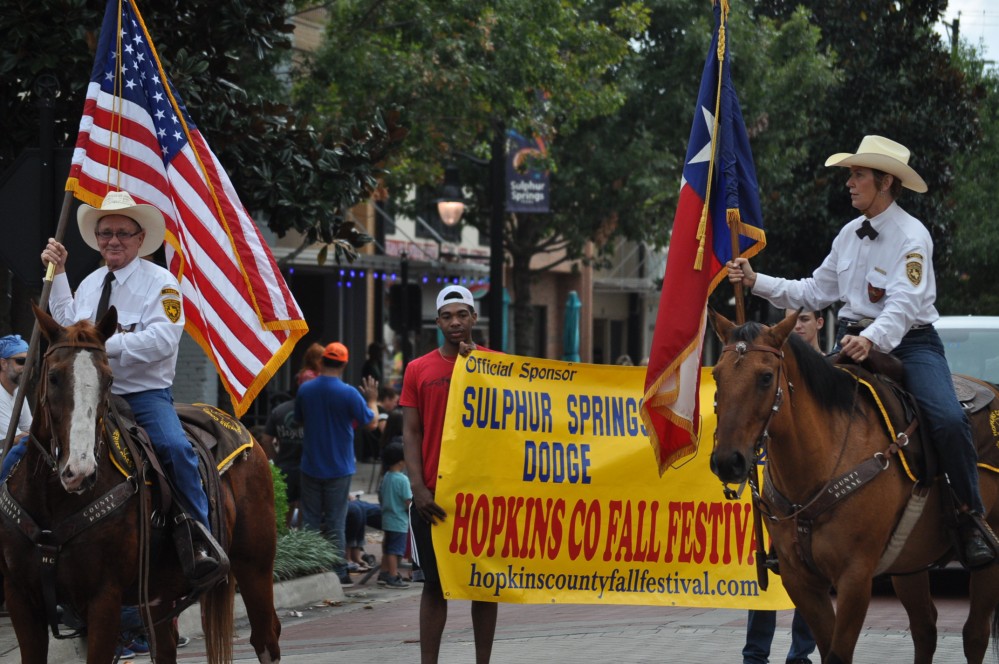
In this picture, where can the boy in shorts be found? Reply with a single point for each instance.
(394, 494)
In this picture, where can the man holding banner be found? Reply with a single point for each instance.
(424, 401)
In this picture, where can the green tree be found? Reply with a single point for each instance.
(225, 59)
(896, 79)
(631, 191)
(456, 69)
(967, 285)
(621, 81)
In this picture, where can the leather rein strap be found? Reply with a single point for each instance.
(48, 543)
(834, 490)
(741, 347)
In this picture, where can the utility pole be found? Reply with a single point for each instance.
(954, 28)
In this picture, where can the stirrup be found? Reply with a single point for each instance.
(185, 531)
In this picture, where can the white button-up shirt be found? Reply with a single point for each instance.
(889, 279)
(143, 352)
(7, 407)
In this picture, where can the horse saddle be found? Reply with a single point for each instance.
(218, 439)
(882, 376)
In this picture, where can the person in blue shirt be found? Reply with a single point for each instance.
(329, 409)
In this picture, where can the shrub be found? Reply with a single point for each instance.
(303, 552)
(280, 499)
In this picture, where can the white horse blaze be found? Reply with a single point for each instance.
(82, 426)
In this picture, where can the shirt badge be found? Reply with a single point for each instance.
(914, 270)
(875, 294)
(171, 308)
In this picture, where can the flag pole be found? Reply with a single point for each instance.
(43, 303)
(735, 227)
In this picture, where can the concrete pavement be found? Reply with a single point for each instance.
(323, 624)
(379, 626)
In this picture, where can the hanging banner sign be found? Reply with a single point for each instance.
(552, 495)
(527, 189)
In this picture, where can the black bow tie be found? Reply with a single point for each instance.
(866, 230)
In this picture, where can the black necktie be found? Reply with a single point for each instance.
(102, 304)
(866, 230)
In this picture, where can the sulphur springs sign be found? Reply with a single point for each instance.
(553, 495)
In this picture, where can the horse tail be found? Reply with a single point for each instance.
(217, 607)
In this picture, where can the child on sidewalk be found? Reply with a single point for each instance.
(394, 494)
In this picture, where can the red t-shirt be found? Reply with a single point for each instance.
(425, 387)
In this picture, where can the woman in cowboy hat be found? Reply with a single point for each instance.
(881, 268)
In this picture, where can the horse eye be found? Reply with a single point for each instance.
(53, 378)
(767, 379)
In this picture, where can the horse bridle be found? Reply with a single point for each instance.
(51, 455)
(760, 444)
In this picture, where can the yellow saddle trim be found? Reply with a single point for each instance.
(122, 458)
(886, 421)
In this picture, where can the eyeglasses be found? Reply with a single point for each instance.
(19, 360)
(121, 235)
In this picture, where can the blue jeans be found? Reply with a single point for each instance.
(17, 451)
(928, 379)
(153, 410)
(760, 635)
(324, 509)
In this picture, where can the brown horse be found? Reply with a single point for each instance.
(72, 521)
(817, 427)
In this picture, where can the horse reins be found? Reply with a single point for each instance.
(51, 459)
(824, 498)
(742, 347)
(49, 542)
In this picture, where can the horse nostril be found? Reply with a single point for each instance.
(730, 468)
(68, 473)
(739, 466)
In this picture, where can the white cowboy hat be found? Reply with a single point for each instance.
(885, 155)
(120, 202)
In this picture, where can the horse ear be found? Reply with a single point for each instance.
(783, 329)
(108, 324)
(49, 327)
(721, 325)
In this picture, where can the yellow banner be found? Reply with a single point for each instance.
(552, 495)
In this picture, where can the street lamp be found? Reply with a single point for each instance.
(451, 205)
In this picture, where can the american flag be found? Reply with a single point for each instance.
(136, 136)
(718, 190)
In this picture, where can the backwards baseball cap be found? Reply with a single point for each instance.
(336, 351)
(12, 345)
(453, 294)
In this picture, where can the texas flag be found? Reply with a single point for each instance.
(718, 195)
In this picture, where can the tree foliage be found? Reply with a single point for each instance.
(225, 59)
(896, 80)
(457, 69)
(967, 286)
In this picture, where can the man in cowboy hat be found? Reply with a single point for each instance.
(143, 353)
(881, 268)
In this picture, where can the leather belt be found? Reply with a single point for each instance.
(863, 323)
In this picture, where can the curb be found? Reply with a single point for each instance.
(287, 595)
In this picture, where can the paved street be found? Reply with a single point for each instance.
(368, 624)
(377, 626)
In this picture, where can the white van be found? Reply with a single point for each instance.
(972, 345)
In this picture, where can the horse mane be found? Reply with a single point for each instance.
(831, 386)
(80, 332)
